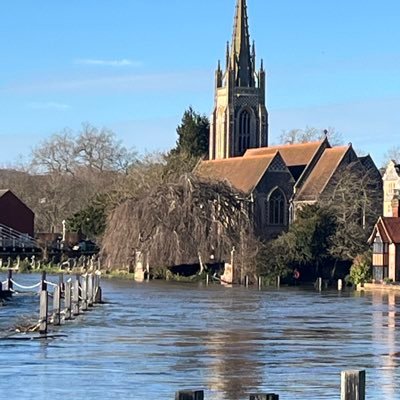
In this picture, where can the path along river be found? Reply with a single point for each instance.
(153, 339)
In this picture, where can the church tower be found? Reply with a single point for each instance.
(240, 118)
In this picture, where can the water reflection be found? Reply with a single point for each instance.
(385, 319)
(153, 339)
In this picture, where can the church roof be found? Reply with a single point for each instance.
(292, 154)
(322, 173)
(242, 173)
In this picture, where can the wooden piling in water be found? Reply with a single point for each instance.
(68, 301)
(44, 308)
(319, 284)
(75, 297)
(61, 282)
(9, 280)
(259, 283)
(246, 281)
(340, 285)
(90, 290)
(190, 395)
(57, 305)
(278, 282)
(353, 385)
(84, 291)
(43, 282)
(264, 396)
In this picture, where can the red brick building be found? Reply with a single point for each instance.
(15, 214)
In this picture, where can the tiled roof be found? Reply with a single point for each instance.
(243, 173)
(392, 227)
(292, 154)
(322, 173)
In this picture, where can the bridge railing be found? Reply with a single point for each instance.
(10, 237)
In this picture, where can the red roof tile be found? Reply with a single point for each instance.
(243, 173)
(392, 227)
(322, 173)
(292, 154)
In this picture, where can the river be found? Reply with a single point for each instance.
(152, 339)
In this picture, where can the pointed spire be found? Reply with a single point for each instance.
(241, 60)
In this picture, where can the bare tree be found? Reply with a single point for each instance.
(56, 154)
(356, 200)
(392, 154)
(98, 149)
(310, 134)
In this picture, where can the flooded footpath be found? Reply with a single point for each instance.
(152, 339)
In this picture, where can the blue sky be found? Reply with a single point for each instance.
(134, 66)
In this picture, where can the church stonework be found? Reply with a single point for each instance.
(240, 118)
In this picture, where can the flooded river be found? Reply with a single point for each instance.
(153, 339)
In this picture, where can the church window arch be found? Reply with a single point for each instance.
(244, 130)
(276, 208)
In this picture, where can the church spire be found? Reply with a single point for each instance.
(241, 60)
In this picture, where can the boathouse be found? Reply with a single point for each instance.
(15, 214)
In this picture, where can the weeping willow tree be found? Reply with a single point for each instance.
(184, 222)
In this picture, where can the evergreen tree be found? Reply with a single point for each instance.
(193, 134)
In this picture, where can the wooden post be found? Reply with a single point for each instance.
(259, 283)
(68, 300)
(44, 308)
(190, 395)
(353, 385)
(44, 284)
(90, 290)
(340, 285)
(246, 281)
(75, 297)
(57, 305)
(9, 280)
(266, 396)
(61, 282)
(278, 282)
(319, 284)
(85, 293)
(98, 298)
(207, 279)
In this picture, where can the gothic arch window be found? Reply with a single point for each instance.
(276, 208)
(244, 130)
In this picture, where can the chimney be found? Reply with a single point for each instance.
(396, 205)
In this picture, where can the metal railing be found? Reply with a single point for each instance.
(9, 237)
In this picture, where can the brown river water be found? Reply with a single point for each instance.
(152, 339)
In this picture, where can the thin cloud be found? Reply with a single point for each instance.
(185, 81)
(49, 106)
(108, 63)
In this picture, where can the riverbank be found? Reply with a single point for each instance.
(389, 287)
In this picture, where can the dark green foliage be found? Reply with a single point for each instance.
(275, 257)
(193, 134)
(307, 243)
(91, 221)
(313, 233)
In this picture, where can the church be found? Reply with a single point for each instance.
(276, 181)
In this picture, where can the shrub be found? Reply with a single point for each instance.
(361, 270)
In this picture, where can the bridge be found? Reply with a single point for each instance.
(14, 243)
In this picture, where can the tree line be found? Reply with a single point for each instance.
(121, 199)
